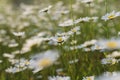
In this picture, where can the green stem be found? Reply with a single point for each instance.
(106, 6)
(71, 10)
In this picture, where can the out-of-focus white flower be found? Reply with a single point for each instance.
(1, 61)
(108, 44)
(13, 45)
(73, 61)
(114, 54)
(43, 60)
(19, 34)
(19, 65)
(8, 55)
(58, 40)
(59, 70)
(45, 9)
(35, 40)
(14, 69)
(111, 15)
(109, 76)
(31, 42)
(88, 78)
(71, 22)
(87, 49)
(88, 43)
(67, 23)
(59, 78)
(109, 61)
(75, 30)
(118, 33)
(73, 42)
(86, 1)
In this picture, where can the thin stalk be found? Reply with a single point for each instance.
(106, 6)
(71, 13)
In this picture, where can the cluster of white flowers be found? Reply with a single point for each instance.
(84, 45)
(19, 65)
(63, 37)
(71, 22)
(35, 40)
(109, 61)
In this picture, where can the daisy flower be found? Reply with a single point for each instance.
(45, 9)
(88, 78)
(109, 61)
(87, 1)
(43, 60)
(58, 40)
(110, 16)
(74, 30)
(114, 54)
(109, 76)
(12, 70)
(108, 44)
(1, 61)
(19, 34)
(67, 23)
(59, 78)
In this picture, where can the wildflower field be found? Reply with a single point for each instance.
(60, 40)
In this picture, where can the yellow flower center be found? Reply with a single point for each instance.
(111, 16)
(45, 62)
(73, 30)
(111, 44)
(88, 78)
(27, 62)
(60, 39)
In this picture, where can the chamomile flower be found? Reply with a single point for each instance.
(109, 61)
(73, 61)
(109, 76)
(59, 78)
(71, 22)
(75, 30)
(12, 70)
(1, 61)
(22, 63)
(43, 60)
(58, 39)
(67, 23)
(114, 54)
(8, 55)
(108, 44)
(19, 34)
(18, 65)
(88, 78)
(87, 1)
(87, 43)
(45, 9)
(110, 16)
(119, 33)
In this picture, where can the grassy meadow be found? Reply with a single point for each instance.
(60, 40)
